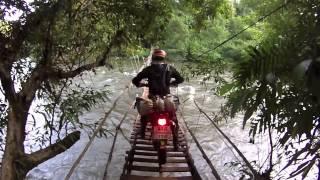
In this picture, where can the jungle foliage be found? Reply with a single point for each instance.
(44, 45)
(274, 66)
(276, 78)
(192, 42)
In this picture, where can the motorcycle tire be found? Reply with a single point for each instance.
(162, 156)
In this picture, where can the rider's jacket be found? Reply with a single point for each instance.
(159, 78)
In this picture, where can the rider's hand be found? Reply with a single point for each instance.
(173, 84)
(143, 85)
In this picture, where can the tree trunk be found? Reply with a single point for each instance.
(16, 163)
(14, 148)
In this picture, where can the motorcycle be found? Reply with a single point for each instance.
(162, 128)
(163, 125)
(162, 121)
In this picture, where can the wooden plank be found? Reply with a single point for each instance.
(148, 160)
(148, 132)
(147, 127)
(181, 141)
(162, 169)
(148, 142)
(135, 177)
(137, 128)
(150, 148)
(147, 136)
(154, 153)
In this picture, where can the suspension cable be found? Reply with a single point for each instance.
(121, 131)
(251, 25)
(103, 120)
(203, 100)
(254, 172)
(98, 129)
(204, 155)
(199, 145)
(118, 128)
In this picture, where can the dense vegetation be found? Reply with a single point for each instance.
(274, 63)
(275, 70)
(42, 49)
(275, 67)
(279, 79)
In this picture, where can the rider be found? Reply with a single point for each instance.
(160, 76)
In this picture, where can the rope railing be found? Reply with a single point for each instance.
(204, 155)
(129, 160)
(121, 131)
(76, 163)
(118, 128)
(254, 172)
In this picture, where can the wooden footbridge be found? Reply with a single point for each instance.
(142, 159)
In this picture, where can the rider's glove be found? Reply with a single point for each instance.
(143, 85)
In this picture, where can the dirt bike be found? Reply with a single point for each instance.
(162, 130)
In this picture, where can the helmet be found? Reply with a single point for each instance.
(159, 53)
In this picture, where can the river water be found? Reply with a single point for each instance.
(93, 164)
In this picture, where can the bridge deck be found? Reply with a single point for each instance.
(142, 159)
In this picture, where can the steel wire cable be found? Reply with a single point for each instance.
(75, 164)
(248, 27)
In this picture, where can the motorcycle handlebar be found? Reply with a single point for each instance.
(147, 85)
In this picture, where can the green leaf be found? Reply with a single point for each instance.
(247, 115)
(225, 89)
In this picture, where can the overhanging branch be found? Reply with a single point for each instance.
(46, 71)
(60, 74)
(34, 159)
(100, 61)
(32, 22)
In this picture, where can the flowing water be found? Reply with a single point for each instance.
(93, 164)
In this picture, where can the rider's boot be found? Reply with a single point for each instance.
(175, 141)
(175, 131)
(143, 126)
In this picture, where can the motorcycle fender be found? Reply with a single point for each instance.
(163, 143)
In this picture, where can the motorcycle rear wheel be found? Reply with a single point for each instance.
(162, 156)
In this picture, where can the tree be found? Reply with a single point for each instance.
(279, 80)
(192, 42)
(49, 44)
(275, 66)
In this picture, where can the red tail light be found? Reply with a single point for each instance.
(162, 121)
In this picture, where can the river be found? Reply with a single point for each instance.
(92, 165)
